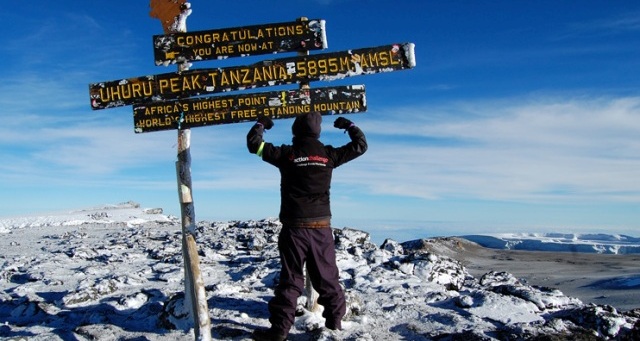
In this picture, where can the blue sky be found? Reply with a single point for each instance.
(519, 116)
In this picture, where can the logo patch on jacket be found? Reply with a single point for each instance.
(311, 160)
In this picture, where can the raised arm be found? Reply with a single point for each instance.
(353, 149)
(255, 142)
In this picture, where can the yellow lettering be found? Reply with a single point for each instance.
(164, 109)
(213, 76)
(195, 82)
(251, 76)
(268, 74)
(186, 85)
(155, 122)
(163, 84)
(379, 59)
(251, 101)
(174, 84)
(224, 49)
(288, 110)
(367, 60)
(332, 65)
(337, 106)
(203, 52)
(246, 79)
(210, 104)
(179, 84)
(244, 114)
(126, 90)
(205, 117)
(227, 78)
(247, 47)
(268, 45)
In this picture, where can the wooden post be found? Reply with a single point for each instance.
(312, 294)
(195, 294)
(173, 15)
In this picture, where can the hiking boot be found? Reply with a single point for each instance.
(267, 335)
(325, 334)
(333, 325)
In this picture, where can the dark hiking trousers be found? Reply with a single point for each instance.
(316, 247)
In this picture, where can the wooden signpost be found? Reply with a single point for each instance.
(195, 294)
(239, 41)
(326, 67)
(205, 111)
(163, 101)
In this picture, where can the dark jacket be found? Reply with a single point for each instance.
(306, 167)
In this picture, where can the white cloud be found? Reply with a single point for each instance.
(544, 149)
(628, 22)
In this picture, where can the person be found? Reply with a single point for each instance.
(306, 168)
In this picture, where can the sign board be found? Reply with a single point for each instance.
(214, 110)
(239, 41)
(325, 66)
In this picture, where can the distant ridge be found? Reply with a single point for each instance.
(559, 242)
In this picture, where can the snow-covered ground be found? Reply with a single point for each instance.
(115, 273)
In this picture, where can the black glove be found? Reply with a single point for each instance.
(266, 122)
(342, 123)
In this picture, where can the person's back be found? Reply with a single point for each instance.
(306, 168)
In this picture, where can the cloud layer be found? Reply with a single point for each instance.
(517, 149)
